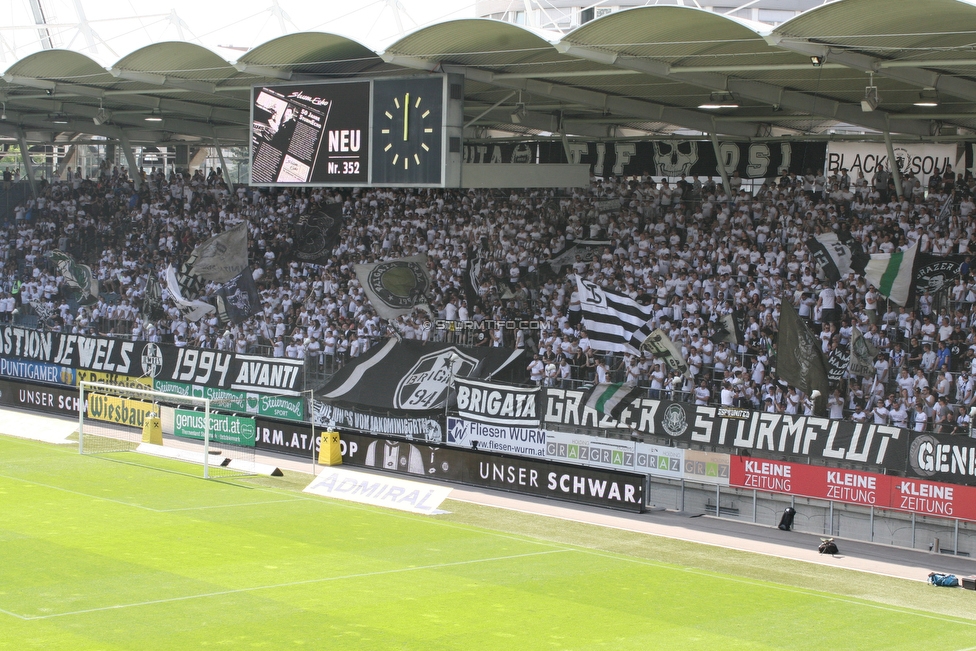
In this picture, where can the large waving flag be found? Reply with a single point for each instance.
(222, 257)
(613, 322)
(79, 279)
(892, 273)
(836, 254)
(396, 287)
(192, 309)
(798, 357)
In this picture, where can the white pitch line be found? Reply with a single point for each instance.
(94, 497)
(295, 583)
(786, 588)
(7, 612)
(140, 506)
(221, 506)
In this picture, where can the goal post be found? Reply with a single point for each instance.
(111, 419)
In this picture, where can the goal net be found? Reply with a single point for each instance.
(189, 428)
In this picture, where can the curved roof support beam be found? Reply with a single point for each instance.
(162, 80)
(721, 167)
(647, 111)
(962, 88)
(236, 133)
(225, 172)
(263, 71)
(130, 157)
(552, 124)
(142, 100)
(25, 156)
(755, 90)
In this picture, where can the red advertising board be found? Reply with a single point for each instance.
(854, 487)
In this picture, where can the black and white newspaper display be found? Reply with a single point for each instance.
(310, 133)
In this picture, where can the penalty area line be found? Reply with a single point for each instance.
(360, 575)
(21, 617)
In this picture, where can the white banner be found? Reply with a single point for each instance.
(659, 460)
(497, 404)
(379, 490)
(870, 157)
(590, 450)
(523, 441)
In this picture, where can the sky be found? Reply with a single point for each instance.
(227, 27)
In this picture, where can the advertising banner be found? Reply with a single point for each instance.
(115, 379)
(521, 441)
(707, 467)
(529, 476)
(284, 407)
(286, 436)
(386, 490)
(855, 487)
(590, 450)
(223, 428)
(583, 485)
(497, 404)
(36, 371)
(940, 457)
(226, 370)
(922, 160)
(659, 461)
(875, 445)
(121, 411)
(53, 400)
(668, 158)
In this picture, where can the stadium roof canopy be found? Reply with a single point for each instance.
(643, 72)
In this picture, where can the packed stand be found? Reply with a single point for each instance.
(687, 248)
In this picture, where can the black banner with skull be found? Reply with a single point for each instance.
(667, 158)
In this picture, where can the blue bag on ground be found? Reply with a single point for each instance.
(944, 580)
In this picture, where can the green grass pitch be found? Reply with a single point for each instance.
(136, 554)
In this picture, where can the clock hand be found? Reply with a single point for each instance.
(406, 114)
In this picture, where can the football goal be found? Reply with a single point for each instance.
(190, 428)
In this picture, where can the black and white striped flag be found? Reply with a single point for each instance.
(612, 399)
(614, 322)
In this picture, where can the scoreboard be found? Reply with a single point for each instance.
(397, 131)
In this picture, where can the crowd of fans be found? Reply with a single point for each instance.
(686, 247)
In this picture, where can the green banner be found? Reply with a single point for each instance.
(223, 429)
(282, 407)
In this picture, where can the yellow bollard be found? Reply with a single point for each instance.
(330, 453)
(152, 430)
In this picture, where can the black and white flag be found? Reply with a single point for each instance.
(727, 328)
(659, 344)
(220, 258)
(317, 234)
(862, 355)
(191, 308)
(613, 322)
(152, 300)
(587, 250)
(837, 255)
(612, 399)
(81, 283)
(798, 357)
(238, 299)
(470, 279)
(943, 219)
(396, 287)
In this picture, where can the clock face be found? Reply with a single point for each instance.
(407, 117)
(408, 123)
